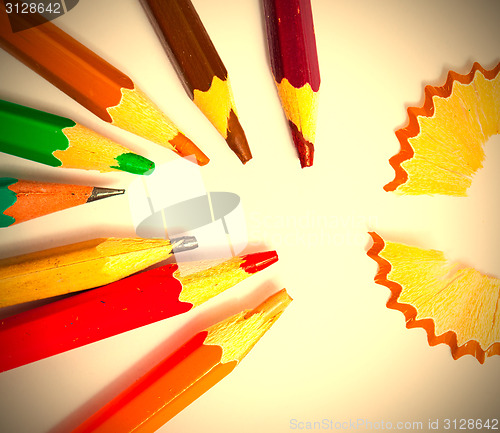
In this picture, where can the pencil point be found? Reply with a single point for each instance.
(135, 164)
(183, 146)
(253, 263)
(184, 243)
(273, 306)
(305, 148)
(99, 193)
(294, 65)
(236, 138)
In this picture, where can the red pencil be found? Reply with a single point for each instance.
(294, 63)
(117, 307)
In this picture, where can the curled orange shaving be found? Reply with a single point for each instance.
(413, 129)
(471, 347)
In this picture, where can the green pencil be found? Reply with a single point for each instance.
(61, 142)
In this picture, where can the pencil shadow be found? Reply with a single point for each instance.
(255, 247)
(201, 321)
(13, 310)
(65, 236)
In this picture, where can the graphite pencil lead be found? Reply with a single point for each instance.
(100, 193)
(23, 200)
(184, 243)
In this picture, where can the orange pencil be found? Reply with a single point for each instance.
(23, 200)
(189, 372)
(90, 80)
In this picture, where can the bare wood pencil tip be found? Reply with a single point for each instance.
(273, 306)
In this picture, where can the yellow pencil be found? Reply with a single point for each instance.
(80, 266)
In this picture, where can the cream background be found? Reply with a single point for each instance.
(337, 353)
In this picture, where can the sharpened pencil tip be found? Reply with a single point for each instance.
(100, 193)
(253, 263)
(236, 139)
(183, 146)
(273, 306)
(184, 243)
(305, 149)
(135, 164)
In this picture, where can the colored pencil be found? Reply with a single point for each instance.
(118, 307)
(61, 142)
(294, 64)
(23, 200)
(90, 80)
(199, 66)
(189, 372)
(80, 266)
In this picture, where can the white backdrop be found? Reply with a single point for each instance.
(337, 353)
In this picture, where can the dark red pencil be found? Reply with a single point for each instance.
(294, 63)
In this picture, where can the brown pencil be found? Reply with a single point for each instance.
(90, 80)
(199, 66)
